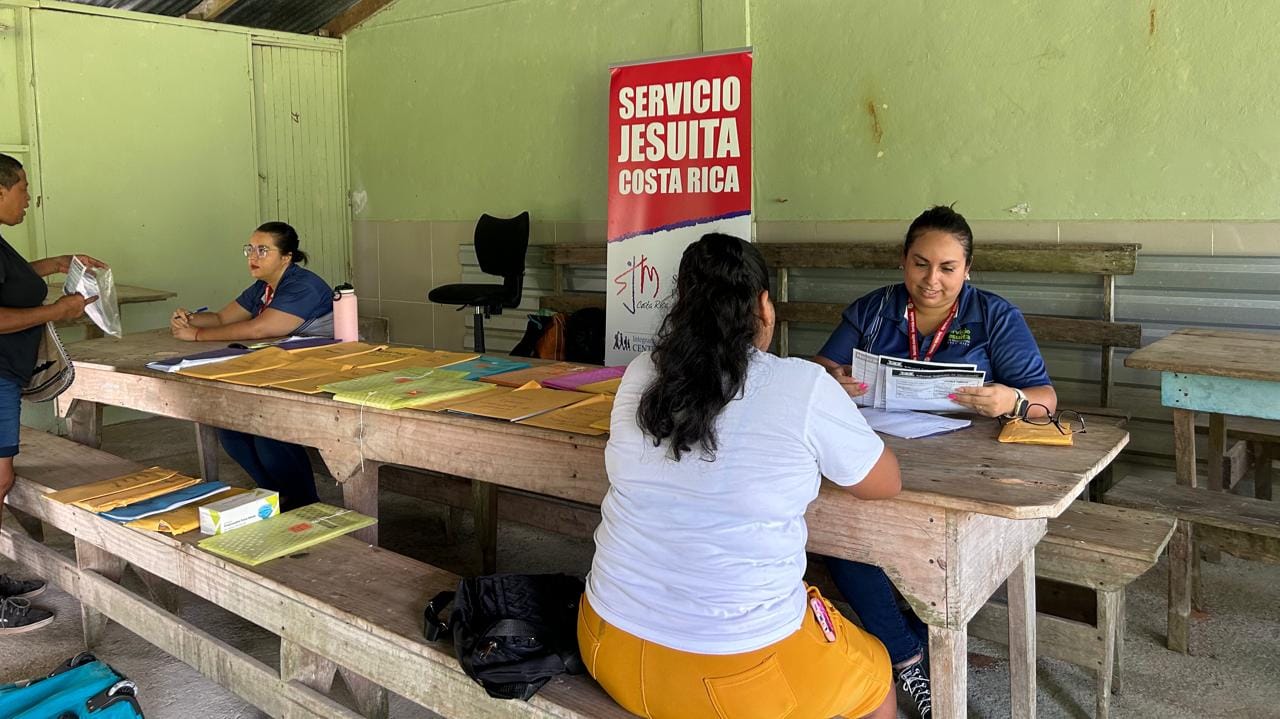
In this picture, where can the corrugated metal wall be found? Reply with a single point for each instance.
(301, 138)
(1166, 292)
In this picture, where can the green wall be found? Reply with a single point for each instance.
(1085, 110)
(458, 108)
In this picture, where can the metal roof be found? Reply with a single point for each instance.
(301, 16)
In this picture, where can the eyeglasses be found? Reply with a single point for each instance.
(1068, 421)
(257, 250)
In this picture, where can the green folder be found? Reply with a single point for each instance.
(285, 533)
(391, 380)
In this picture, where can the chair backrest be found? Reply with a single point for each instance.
(501, 244)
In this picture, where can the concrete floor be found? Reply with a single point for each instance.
(1233, 672)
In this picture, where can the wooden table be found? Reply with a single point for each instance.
(969, 516)
(1219, 373)
(125, 295)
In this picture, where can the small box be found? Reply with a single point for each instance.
(237, 511)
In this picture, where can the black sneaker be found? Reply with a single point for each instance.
(18, 616)
(914, 680)
(19, 588)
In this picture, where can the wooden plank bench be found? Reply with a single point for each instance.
(1244, 526)
(1105, 260)
(342, 608)
(1101, 548)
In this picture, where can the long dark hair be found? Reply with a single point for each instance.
(704, 345)
(286, 240)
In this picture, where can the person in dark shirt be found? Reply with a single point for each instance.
(285, 299)
(23, 315)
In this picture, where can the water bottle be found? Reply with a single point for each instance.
(346, 322)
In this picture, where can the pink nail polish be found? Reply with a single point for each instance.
(862, 385)
(951, 396)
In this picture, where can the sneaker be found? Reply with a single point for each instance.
(17, 616)
(914, 680)
(19, 588)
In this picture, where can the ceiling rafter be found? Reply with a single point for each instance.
(353, 16)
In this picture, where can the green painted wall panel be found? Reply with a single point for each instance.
(1083, 110)
(301, 155)
(457, 110)
(146, 145)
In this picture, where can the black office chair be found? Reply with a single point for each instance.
(501, 245)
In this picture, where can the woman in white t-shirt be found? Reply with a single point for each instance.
(695, 605)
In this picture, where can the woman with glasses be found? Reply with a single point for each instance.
(695, 605)
(285, 299)
(934, 314)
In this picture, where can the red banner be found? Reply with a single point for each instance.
(679, 143)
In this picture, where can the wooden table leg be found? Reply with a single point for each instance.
(84, 423)
(1110, 606)
(109, 566)
(207, 451)
(949, 671)
(359, 481)
(372, 700)
(1181, 551)
(484, 505)
(1184, 446)
(1022, 639)
(307, 667)
(1262, 456)
(1217, 450)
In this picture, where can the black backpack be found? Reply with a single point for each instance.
(511, 632)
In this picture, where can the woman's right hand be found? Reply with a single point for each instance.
(179, 319)
(844, 375)
(72, 306)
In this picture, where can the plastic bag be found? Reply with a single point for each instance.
(105, 312)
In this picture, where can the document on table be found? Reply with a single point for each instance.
(911, 425)
(900, 384)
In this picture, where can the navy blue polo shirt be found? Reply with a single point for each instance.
(988, 331)
(301, 293)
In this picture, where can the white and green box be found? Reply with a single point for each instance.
(237, 511)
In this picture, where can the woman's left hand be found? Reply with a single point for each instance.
(64, 263)
(991, 400)
(187, 334)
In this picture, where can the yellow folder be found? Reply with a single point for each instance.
(608, 386)
(580, 418)
(314, 385)
(537, 373)
(395, 358)
(268, 358)
(517, 404)
(83, 492)
(297, 370)
(183, 519)
(339, 352)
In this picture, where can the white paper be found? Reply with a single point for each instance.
(105, 311)
(916, 391)
(927, 389)
(910, 425)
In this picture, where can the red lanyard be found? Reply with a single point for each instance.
(937, 336)
(266, 299)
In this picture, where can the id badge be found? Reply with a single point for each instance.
(821, 614)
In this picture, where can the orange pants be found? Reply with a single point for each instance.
(800, 677)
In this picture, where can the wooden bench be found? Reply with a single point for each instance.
(1101, 548)
(1257, 445)
(1244, 526)
(1100, 259)
(342, 608)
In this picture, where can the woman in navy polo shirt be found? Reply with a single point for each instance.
(932, 315)
(286, 299)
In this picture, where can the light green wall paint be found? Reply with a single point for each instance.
(153, 176)
(1081, 110)
(498, 108)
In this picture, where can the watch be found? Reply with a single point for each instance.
(1020, 404)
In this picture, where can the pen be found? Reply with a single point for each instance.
(196, 312)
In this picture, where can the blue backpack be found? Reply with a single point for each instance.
(81, 687)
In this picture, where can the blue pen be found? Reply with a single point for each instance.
(196, 312)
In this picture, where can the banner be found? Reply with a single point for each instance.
(679, 167)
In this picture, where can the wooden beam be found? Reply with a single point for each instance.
(211, 10)
(356, 14)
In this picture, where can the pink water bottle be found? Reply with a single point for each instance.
(346, 322)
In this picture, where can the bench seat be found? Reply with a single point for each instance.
(1244, 526)
(343, 607)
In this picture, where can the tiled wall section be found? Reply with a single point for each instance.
(397, 263)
